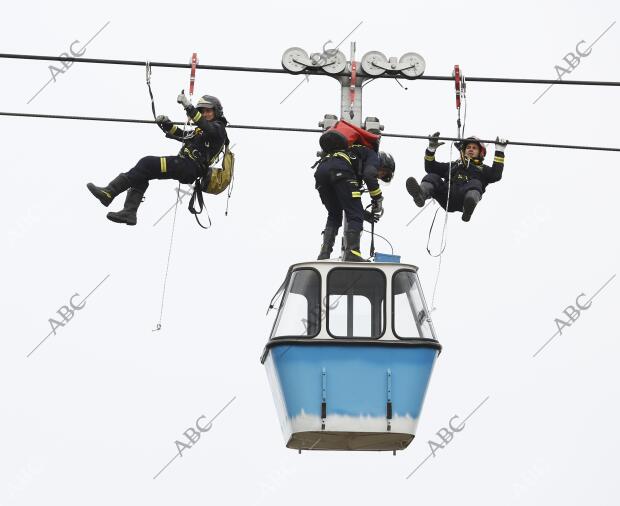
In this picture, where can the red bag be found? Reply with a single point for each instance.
(344, 134)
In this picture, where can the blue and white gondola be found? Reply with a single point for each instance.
(349, 369)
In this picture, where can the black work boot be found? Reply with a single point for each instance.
(106, 194)
(128, 214)
(352, 254)
(472, 197)
(419, 192)
(329, 237)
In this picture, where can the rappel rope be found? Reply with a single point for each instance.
(163, 293)
(192, 79)
(372, 235)
(230, 188)
(229, 192)
(444, 238)
(460, 90)
(372, 230)
(380, 237)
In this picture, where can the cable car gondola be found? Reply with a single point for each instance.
(350, 355)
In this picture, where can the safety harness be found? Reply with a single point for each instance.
(214, 180)
(345, 155)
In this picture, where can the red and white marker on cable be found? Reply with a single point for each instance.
(353, 80)
(192, 76)
(459, 90)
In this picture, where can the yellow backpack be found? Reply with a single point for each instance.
(221, 177)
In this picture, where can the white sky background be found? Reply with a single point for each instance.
(93, 414)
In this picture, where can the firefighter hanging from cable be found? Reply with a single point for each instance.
(201, 147)
(467, 180)
(350, 158)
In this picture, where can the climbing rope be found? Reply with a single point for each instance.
(163, 293)
(444, 237)
(230, 190)
(460, 87)
(192, 78)
(381, 237)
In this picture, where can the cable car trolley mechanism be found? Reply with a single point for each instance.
(352, 74)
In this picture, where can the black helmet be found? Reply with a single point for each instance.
(387, 164)
(332, 140)
(210, 102)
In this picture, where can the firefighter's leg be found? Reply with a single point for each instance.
(138, 177)
(128, 214)
(350, 198)
(472, 192)
(334, 211)
(148, 168)
(420, 192)
(434, 186)
(106, 194)
(162, 167)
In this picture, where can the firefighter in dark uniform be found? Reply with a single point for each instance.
(468, 180)
(339, 177)
(201, 147)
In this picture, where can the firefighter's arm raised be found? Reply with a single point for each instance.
(495, 171)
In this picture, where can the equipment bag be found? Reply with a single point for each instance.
(220, 176)
(216, 181)
(344, 134)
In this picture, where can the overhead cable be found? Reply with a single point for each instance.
(304, 130)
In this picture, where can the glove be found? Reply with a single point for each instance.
(433, 142)
(183, 100)
(163, 122)
(377, 208)
(370, 218)
(500, 144)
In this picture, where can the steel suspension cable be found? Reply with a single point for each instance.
(265, 70)
(303, 130)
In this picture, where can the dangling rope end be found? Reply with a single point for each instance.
(401, 84)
